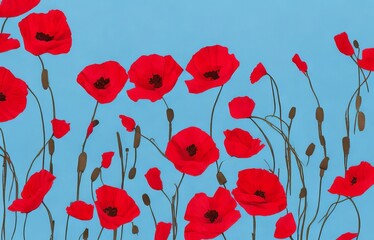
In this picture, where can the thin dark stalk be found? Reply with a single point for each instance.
(318, 206)
(273, 93)
(223, 235)
(288, 161)
(123, 171)
(167, 197)
(311, 87)
(212, 114)
(4, 177)
(2, 27)
(51, 222)
(92, 195)
(114, 234)
(24, 227)
(163, 99)
(92, 118)
(153, 215)
(155, 145)
(328, 214)
(254, 228)
(67, 227)
(358, 217)
(101, 231)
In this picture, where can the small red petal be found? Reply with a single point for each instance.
(154, 179)
(258, 72)
(106, 159)
(301, 65)
(60, 128)
(343, 44)
(127, 122)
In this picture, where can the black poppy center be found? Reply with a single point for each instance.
(212, 215)
(156, 81)
(2, 97)
(354, 180)
(111, 211)
(213, 75)
(102, 83)
(260, 194)
(191, 150)
(43, 37)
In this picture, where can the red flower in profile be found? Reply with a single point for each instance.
(80, 210)
(7, 43)
(192, 151)
(258, 72)
(367, 61)
(153, 76)
(154, 179)
(285, 226)
(210, 67)
(241, 107)
(90, 129)
(13, 92)
(347, 236)
(60, 127)
(162, 231)
(106, 159)
(210, 216)
(241, 144)
(259, 192)
(357, 180)
(343, 44)
(103, 81)
(114, 207)
(301, 65)
(33, 192)
(128, 123)
(46, 33)
(14, 8)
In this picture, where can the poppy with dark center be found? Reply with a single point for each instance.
(60, 127)
(153, 76)
(343, 44)
(13, 92)
(106, 159)
(210, 216)
(259, 192)
(347, 236)
(80, 210)
(258, 72)
(128, 123)
(358, 179)
(241, 107)
(301, 65)
(210, 67)
(367, 60)
(239, 143)
(46, 33)
(162, 231)
(7, 44)
(285, 226)
(33, 192)
(153, 177)
(14, 8)
(103, 81)
(114, 207)
(192, 151)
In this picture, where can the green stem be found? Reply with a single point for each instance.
(254, 228)
(24, 227)
(318, 205)
(67, 227)
(2, 27)
(358, 217)
(101, 231)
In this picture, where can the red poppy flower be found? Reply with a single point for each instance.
(153, 76)
(80, 210)
(90, 129)
(103, 81)
(114, 207)
(162, 231)
(343, 44)
(357, 180)
(285, 226)
(210, 216)
(241, 107)
(33, 192)
(367, 61)
(127, 122)
(301, 65)
(210, 67)
(60, 127)
(192, 151)
(154, 179)
(46, 33)
(347, 236)
(14, 8)
(241, 144)
(258, 72)
(106, 159)
(259, 192)
(7, 43)
(13, 92)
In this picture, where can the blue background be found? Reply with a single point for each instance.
(267, 31)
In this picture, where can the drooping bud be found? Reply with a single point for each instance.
(355, 44)
(170, 114)
(82, 162)
(292, 113)
(221, 178)
(132, 173)
(45, 81)
(146, 199)
(310, 150)
(95, 174)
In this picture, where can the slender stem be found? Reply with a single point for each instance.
(92, 118)
(212, 114)
(167, 197)
(123, 171)
(328, 214)
(53, 102)
(101, 231)
(24, 227)
(311, 87)
(166, 104)
(114, 234)
(2, 27)
(67, 227)
(254, 228)
(155, 145)
(223, 235)
(51, 222)
(273, 93)
(4, 178)
(41, 61)
(318, 205)
(358, 217)
(92, 195)
(153, 215)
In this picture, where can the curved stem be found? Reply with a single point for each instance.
(51, 222)
(24, 227)
(155, 145)
(328, 214)
(101, 231)
(167, 197)
(318, 205)
(92, 118)
(67, 227)
(223, 235)
(358, 217)
(166, 104)
(2, 27)
(153, 215)
(311, 87)
(212, 114)
(4, 178)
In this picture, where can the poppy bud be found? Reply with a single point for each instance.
(319, 114)
(292, 113)
(322, 140)
(51, 146)
(45, 81)
(358, 102)
(153, 177)
(302, 193)
(85, 234)
(355, 44)
(134, 229)
(137, 137)
(95, 122)
(324, 163)
(309, 151)
(346, 145)
(361, 121)
(95, 174)
(132, 173)
(146, 199)
(82, 162)
(170, 114)
(221, 178)
(120, 151)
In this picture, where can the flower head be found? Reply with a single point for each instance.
(128, 123)
(301, 65)
(162, 231)
(347, 236)
(258, 72)
(367, 60)
(343, 44)
(154, 179)
(80, 210)
(7, 43)
(241, 107)
(60, 127)
(285, 226)
(239, 143)
(106, 159)
(14, 8)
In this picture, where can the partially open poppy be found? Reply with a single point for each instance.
(343, 44)
(241, 107)
(260, 192)
(103, 81)
(13, 92)
(285, 226)
(347, 236)
(80, 210)
(210, 216)
(127, 122)
(60, 127)
(33, 192)
(210, 67)
(154, 179)
(7, 43)
(301, 65)
(114, 207)
(153, 76)
(239, 143)
(46, 33)
(191, 151)
(162, 231)
(14, 8)
(357, 180)
(258, 72)
(106, 159)
(367, 60)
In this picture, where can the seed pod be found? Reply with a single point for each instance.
(170, 114)
(292, 113)
(95, 174)
(85, 234)
(324, 163)
(132, 173)
(310, 150)
(45, 81)
(51, 146)
(51, 167)
(119, 143)
(355, 44)
(137, 137)
(95, 122)
(134, 229)
(361, 121)
(319, 114)
(146, 199)
(322, 140)
(321, 172)
(221, 178)
(82, 162)
(358, 102)
(302, 193)
(346, 145)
